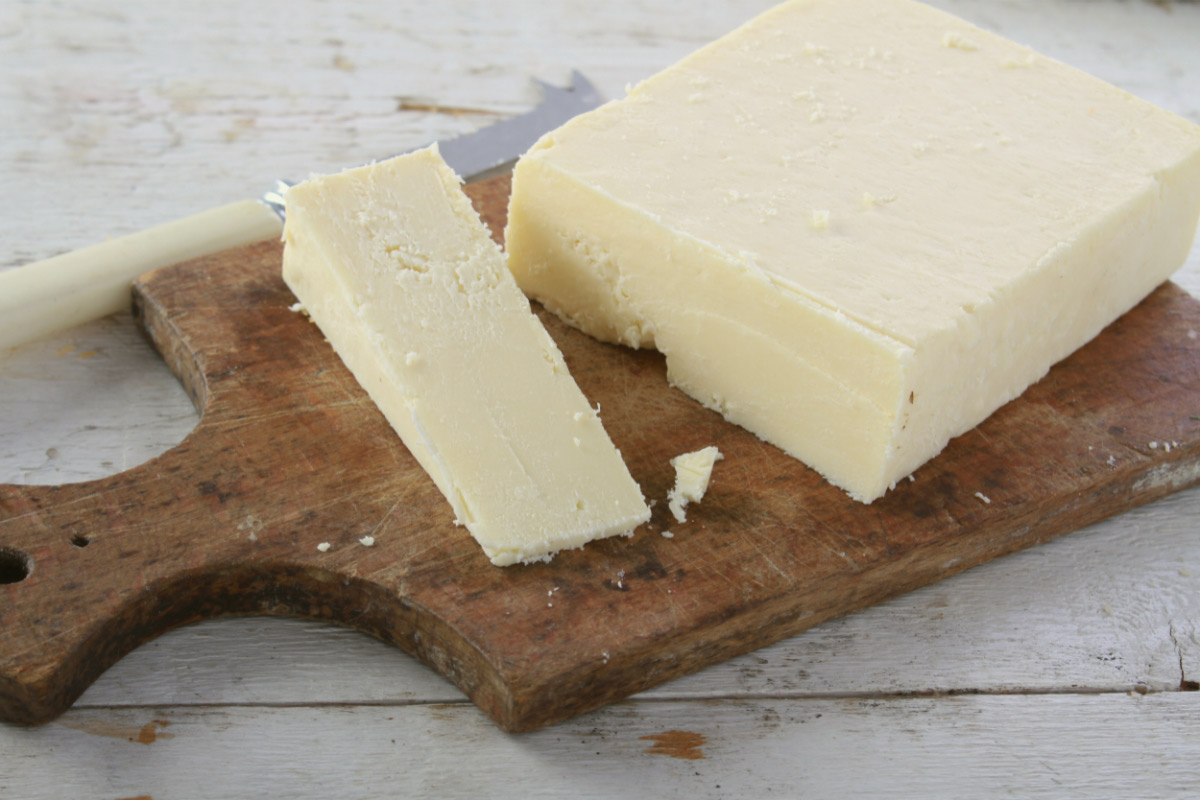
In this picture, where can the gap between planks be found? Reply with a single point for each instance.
(647, 699)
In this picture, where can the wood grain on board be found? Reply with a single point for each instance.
(289, 453)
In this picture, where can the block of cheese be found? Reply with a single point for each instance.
(397, 270)
(857, 228)
(692, 474)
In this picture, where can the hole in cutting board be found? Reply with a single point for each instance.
(88, 403)
(15, 566)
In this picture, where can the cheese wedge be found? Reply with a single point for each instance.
(394, 266)
(857, 227)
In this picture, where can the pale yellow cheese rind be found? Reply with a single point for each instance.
(401, 276)
(857, 228)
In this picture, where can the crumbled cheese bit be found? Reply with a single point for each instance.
(323, 547)
(983, 497)
(868, 200)
(956, 41)
(1107, 609)
(820, 219)
(367, 541)
(1154, 445)
(668, 535)
(692, 474)
(298, 308)
(1192, 333)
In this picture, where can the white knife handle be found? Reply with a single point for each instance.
(64, 291)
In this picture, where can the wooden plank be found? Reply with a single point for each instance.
(290, 452)
(1051, 746)
(88, 403)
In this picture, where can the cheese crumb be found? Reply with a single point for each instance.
(323, 547)
(956, 41)
(668, 535)
(983, 497)
(867, 200)
(692, 474)
(298, 308)
(820, 219)
(367, 541)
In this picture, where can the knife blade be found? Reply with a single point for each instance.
(67, 290)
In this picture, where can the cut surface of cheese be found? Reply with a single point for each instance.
(392, 263)
(693, 471)
(857, 227)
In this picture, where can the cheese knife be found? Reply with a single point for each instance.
(64, 291)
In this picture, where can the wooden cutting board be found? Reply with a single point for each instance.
(290, 453)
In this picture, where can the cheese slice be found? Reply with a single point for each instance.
(692, 474)
(394, 266)
(857, 228)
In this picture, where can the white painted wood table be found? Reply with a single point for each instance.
(1063, 671)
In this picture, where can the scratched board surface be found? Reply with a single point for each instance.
(290, 453)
